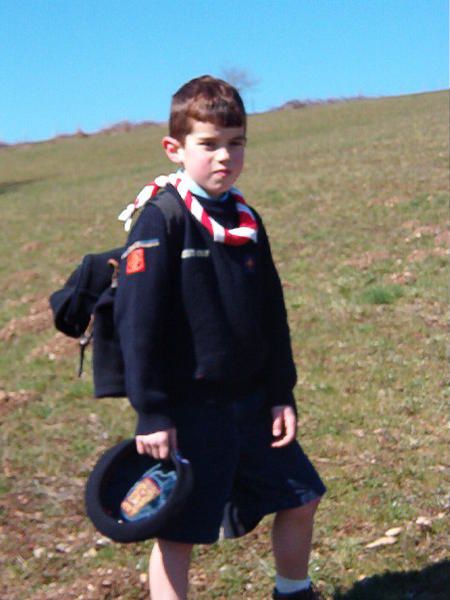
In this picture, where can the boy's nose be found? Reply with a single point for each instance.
(223, 153)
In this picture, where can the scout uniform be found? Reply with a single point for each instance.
(203, 331)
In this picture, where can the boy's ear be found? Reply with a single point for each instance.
(173, 149)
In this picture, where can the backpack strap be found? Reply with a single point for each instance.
(172, 207)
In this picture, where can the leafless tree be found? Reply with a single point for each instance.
(239, 78)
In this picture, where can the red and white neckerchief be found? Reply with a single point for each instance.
(246, 230)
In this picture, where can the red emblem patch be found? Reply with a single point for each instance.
(136, 261)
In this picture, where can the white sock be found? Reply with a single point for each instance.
(288, 586)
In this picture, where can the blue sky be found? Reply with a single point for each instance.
(69, 64)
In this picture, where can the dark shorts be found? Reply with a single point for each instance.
(236, 472)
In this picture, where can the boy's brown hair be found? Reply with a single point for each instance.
(205, 99)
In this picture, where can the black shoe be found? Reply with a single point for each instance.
(311, 593)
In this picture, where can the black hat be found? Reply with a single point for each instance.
(130, 496)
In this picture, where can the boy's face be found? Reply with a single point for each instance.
(212, 156)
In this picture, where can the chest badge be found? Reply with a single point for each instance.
(249, 264)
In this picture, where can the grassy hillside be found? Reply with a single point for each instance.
(354, 196)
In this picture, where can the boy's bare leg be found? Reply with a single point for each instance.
(168, 570)
(291, 540)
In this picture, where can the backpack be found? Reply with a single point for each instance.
(84, 307)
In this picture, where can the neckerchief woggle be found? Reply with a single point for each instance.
(247, 229)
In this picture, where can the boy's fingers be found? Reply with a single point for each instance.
(285, 421)
(277, 425)
(279, 442)
(277, 431)
(154, 444)
(291, 427)
(173, 439)
(164, 450)
(161, 447)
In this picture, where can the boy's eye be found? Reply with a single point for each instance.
(213, 144)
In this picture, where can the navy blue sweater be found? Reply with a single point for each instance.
(200, 317)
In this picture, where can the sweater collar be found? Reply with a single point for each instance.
(195, 189)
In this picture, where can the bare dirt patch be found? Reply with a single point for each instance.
(57, 348)
(433, 313)
(403, 278)
(420, 254)
(417, 231)
(443, 238)
(39, 318)
(11, 400)
(390, 202)
(33, 246)
(20, 279)
(366, 259)
(98, 584)
(56, 541)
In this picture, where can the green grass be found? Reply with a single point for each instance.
(378, 294)
(354, 197)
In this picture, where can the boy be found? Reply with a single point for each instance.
(208, 362)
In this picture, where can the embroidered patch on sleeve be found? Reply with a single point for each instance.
(136, 261)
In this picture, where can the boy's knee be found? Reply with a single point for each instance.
(179, 548)
(301, 513)
(312, 506)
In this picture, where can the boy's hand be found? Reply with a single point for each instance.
(158, 444)
(284, 425)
